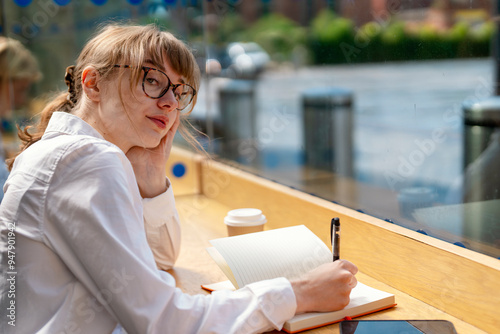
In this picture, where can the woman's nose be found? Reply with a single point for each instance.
(168, 100)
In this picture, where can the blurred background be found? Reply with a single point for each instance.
(388, 107)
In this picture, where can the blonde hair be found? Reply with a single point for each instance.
(16, 62)
(119, 44)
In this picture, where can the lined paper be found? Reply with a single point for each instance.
(295, 250)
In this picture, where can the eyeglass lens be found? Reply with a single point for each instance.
(157, 84)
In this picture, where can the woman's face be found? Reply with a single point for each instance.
(136, 119)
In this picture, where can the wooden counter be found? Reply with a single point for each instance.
(431, 279)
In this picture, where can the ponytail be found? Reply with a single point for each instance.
(62, 102)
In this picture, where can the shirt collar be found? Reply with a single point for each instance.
(69, 124)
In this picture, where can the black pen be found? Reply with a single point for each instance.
(335, 234)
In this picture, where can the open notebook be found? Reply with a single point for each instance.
(287, 252)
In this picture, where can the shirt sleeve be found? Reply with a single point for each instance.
(94, 222)
(163, 231)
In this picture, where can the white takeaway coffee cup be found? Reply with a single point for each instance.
(245, 220)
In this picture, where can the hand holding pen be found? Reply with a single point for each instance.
(327, 287)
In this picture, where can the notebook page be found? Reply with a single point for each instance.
(289, 252)
(363, 294)
(222, 264)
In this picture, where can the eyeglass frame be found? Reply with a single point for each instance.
(147, 69)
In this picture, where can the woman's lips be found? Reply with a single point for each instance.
(160, 121)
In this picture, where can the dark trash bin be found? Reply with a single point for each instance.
(481, 149)
(481, 120)
(481, 184)
(328, 123)
(238, 117)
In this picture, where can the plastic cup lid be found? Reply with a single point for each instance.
(245, 217)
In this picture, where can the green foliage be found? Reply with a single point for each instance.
(328, 37)
(278, 35)
(369, 39)
(394, 41)
(328, 28)
(479, 39)
(483, 33)
(458, 32)
(394, 34)
(336, 40)
(321, 23)
(230, 28)
(331, 39)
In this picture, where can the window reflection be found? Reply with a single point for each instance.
(407, 69)
(364, 103)
(18, 71)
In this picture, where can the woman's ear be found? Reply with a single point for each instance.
(91, 83)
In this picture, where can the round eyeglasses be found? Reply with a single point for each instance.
(156, 83)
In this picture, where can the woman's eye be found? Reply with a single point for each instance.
(152, 81)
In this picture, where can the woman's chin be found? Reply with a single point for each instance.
(152, 142)
(149, 140)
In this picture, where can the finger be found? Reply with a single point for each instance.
(354, 282)
(173, 129)
(349, 266)
(163, 143)
(177, 121)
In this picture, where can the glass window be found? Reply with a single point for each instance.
(386, 107)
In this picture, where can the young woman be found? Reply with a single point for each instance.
(92, 215)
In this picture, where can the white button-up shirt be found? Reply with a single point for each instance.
(75, 256)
